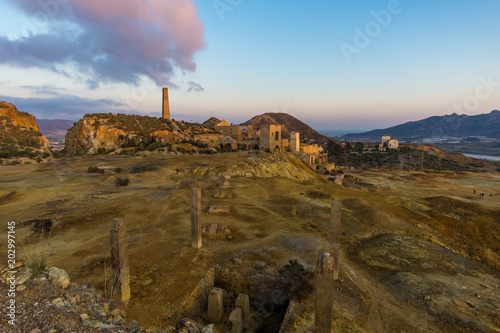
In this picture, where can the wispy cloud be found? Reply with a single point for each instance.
(65, 106)
(108, 41)
(193, 86)
(45, 90)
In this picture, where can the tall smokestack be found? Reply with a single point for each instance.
(165, 106)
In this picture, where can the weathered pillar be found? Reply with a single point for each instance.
(120, 282)
(215, 306)
(335, 236)
(236, 321)
(244, 303)
(196, 239)
(324, 294)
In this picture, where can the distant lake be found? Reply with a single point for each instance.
(484, 157)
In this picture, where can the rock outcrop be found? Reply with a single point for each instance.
(283, 165)
(18, 131)
(21, 119)
(100, 132)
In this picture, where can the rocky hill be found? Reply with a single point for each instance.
(19, 134)
(291, 124)
(210, 123)
(486, 125)
(106, 132)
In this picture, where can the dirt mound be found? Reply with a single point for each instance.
(469, 228)
(356, 203)
(445, 284)
(379, 219)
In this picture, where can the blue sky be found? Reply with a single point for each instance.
(333, 64)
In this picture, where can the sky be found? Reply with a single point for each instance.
(336, 65)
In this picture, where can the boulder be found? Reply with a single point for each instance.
(58, 277)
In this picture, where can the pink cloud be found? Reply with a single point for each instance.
(120, 40)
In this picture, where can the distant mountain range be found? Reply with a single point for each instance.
(51, 126)
(485, 125)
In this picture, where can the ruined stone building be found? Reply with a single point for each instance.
(229, 142)
(309, 153)
(248, 132)
(388, 142)
(270, 137)
(245, 136)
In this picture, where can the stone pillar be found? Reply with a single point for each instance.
(196, 239)
(235, 318)
(295, 142)
(324, 294)
(165, 111)
(120, 282)
(215, 306)
(243, 302)
(335, 236)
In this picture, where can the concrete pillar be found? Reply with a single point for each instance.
(165, 111)
(120, 281)
(196, 239)
(324, 294)
(215, 306)
(236, 321)
(243, 302)
(336, 215)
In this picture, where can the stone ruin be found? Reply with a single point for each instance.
(196, 235)
(265, 289)
(120, 281)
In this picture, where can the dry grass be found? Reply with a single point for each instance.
(37, 254)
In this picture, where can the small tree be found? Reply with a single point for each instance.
(359, 146)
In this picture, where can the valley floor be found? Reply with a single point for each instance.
(421, 254)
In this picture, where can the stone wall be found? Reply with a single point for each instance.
(212, 140)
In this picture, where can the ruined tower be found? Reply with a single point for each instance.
(165, 111)
(270, 137)
(295, 142)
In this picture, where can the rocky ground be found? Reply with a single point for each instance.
(420, 254)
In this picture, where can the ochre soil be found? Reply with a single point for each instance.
(421, 254)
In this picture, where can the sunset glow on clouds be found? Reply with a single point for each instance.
(109, 41)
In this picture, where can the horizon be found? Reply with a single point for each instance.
(342, 65)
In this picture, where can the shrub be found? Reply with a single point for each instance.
(299, 279)
(117, 170)
(101, 151)
(122, 181)
(95, 170)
